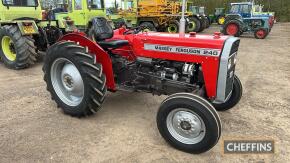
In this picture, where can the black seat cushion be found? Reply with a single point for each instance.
(113, 44)
(101, 29)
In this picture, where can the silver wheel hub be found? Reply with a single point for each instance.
(185, 126)
(67, 82)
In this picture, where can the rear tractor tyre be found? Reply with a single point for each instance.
(202, 24)
(193, 25)
(189, 123)
(74, 80)
(148, 26)
(232, 28)
(173, 27)
(261, 34)
(207, 21)
(234, 99)
(17, 51)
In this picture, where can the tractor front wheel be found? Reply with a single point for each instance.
(189, 123)
(17, 51)
(234, 99)
(75, 81)
(221, 20)
(261, 34)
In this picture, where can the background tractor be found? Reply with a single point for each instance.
(81, 12)
(23, 32)
(241, 20)
(219, 16)
(247, 10)
(153, 15)
(198, 13)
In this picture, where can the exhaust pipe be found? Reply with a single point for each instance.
(182, 20)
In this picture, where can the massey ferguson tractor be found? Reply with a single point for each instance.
(197, 72)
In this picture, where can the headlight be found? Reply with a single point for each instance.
(230, 64)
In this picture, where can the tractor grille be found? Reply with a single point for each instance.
(235, 47)
(231, 71)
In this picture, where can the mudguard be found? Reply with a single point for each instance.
(101, 56)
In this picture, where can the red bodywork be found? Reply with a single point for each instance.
(210, 64)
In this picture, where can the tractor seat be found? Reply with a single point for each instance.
(113, 44)
(101, 31)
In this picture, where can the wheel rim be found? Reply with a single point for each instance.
(8, 48)
(186, 126)
(232, 29)
(67, 82)
(221, 20)
(172, 28)
(191, 26)
(261, 33)
(146, 29)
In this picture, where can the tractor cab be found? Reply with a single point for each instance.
(11, 10)
(82, 11)
(194, 9)
(202, 10)
(219, 11)
(244, 9)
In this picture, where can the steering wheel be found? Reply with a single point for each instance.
(134, 30)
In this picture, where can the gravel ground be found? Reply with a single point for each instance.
(32, 129)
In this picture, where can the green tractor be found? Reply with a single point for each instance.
(219, 16)
(23, 32)
(81, 12)
(198, 17)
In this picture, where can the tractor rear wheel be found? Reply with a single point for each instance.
(260, 34)
(207, 21)
(173, 27)
(202, 24)
(17, 51)
(233, 99)
(148, 26)
(232, 28)
(75, 81)
(193, 25)
(189, 123)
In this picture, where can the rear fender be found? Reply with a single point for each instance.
(102, 56)
(21, 25)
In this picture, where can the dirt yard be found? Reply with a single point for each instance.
(32, 129)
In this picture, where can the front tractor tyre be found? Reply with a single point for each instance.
(234, 98)
(261, 34)
(189, 123)
(221, 20)
(16, 51)
(74, 80)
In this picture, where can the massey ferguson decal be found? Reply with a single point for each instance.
(183, 50)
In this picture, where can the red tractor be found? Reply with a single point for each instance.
(197, 71)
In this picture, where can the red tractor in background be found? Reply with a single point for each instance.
(197, 71)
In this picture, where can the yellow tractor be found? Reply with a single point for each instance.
(154, 15)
